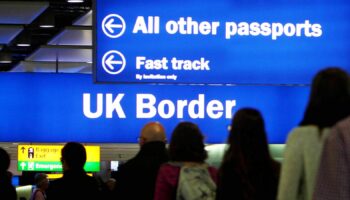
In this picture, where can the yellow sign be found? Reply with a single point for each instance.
(52, 153)
(56, 176)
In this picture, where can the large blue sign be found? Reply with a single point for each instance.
(219, 41)
(66, 107)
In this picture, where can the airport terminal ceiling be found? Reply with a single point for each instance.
(28, 28)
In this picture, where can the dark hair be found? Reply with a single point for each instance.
(39, 179)
(74, 154)
(4, 160)
(329, 99)
(248, 156)
(186, 143)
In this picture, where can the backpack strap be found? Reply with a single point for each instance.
(33, 195)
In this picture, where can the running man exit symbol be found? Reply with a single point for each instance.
(30, 152)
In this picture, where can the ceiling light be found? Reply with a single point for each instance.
(5, 58)
(23, 45)
(23, 40)
(5, 61)
(46, 26)
(47, 21)
(75, 1)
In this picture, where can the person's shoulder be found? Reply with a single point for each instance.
(340, 131)
(38, 194)
(125, 171)
(88, 183)
(276, 166)
(169, 168)
(129, 165)
(7, 191)
(56, 188)
(302, 132)
(90, 179)
(343, 124)
(275, 163)
(56, 183)
(133, 161)
(304, 129)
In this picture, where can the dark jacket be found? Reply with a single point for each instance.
(7, 190)
(137, 177)
(74, 185)
(261, 185)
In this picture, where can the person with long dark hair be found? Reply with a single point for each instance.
(248, 171)
(328, 103)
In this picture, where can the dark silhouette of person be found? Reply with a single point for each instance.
(136, 178)
(248, 171)
(7, 190)
(75, 183)
(108, 189)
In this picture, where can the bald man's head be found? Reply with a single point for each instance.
(151, 132)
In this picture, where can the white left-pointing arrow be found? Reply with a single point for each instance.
(113, 62)
(110, 62)
(113, 26)
(109, 25)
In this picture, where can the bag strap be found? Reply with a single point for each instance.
(33, 195)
